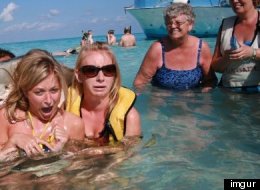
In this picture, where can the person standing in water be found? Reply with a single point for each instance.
(237, 54)
(111, 38)
(128, 39)
(178, 61)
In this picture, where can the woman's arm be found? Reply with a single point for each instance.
(209, 76)
(133, 123)
(3, 129)
(74, 126)
(219, 61)
(149, 66)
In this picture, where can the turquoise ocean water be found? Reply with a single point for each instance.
(192, 140)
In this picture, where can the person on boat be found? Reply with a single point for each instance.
(178, 61)
(96, 95)
(128, 39)
(5, 55)
(237, 54)
(111, 38)
(33, 118)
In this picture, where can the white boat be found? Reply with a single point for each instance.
(209, 14)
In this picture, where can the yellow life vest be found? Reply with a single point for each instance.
(126, 99)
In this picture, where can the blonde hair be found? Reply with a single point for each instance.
(103, 49)
(34, 67)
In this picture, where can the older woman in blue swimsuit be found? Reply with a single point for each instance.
(178, 61)
(237, 54)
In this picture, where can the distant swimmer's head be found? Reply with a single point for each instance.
(85, 35)
(111, 32)
(89, 32)
(127, 30)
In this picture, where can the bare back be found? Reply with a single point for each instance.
(128, 40)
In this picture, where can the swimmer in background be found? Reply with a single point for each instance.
(89, 37)
(128, 39)
(32, 118)
(111, 38)
(85, 39)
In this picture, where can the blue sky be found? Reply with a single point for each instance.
(25, 20)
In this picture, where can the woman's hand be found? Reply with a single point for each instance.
(206, 89)
(28, 143)
(242, 53)
(61, 137)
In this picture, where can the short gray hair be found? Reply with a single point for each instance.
(176, 9)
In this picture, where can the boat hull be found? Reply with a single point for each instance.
(207, 22)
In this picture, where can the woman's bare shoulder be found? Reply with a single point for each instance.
(72, 119)
(3, 116)
(74, 125)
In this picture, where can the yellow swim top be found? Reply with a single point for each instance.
(117, 118)
(50, 138)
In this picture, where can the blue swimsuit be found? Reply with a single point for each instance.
(178, 79)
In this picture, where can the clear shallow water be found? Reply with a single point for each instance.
(192, 140)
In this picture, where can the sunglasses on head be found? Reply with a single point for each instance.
(92, 71)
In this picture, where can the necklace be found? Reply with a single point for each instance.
(50, 138)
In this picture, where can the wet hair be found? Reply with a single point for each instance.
(34, 67)
(176, 9)
(104, 49)
(110, 32)
(85, 36)
(4, 52)
(127, 30)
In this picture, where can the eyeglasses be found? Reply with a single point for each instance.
(176, 23)
(91, 71)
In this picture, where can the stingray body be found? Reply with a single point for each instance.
(7, 68)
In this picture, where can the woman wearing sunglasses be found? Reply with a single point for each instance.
(33, 113)
(97, 96)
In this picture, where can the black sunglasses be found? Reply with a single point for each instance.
(92, 71)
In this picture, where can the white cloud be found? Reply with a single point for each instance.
(98, 20)
(49, 26)
(7, 14)
(120, 18)
(40, 26)
(54, 12)
(94, 20)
